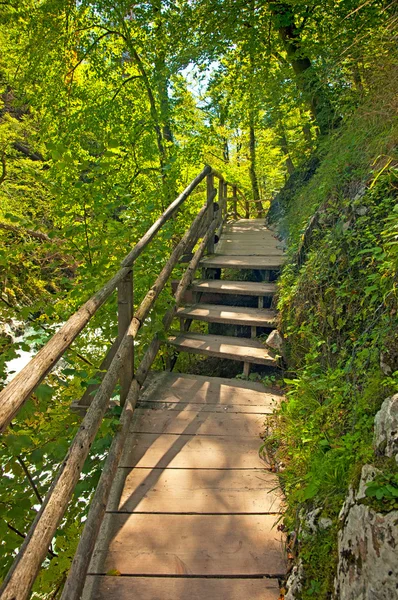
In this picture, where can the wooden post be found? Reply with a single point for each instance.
(235, 201)
(210, 210)
(125, 315)
(221, 199)
(247, 209)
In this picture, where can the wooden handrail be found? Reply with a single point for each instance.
(15, 394)
(23, 572)
(170, 210)
(75, 581)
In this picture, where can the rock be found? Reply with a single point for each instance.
(361, 210)
(309, 521)
(294, 583)
(368, 474)
(6, 332)
(12, 329)
(324, 523)
(385, 365)
(275, 341)
(385, 440)
(360, 191)
(367, 567)
(346, 225)
(348, 502)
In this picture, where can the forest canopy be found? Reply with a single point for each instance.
(108, 109)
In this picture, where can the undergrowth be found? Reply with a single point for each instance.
(339, 318)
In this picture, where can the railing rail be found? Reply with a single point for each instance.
(119, 366)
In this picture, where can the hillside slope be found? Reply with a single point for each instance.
(338, 303)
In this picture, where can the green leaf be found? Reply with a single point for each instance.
(44, 392)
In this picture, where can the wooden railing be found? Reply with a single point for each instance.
(118, 366)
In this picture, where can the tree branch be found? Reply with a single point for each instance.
(123, 84)
(25, 150)
(30, 479)
(107, 32)
(43, 237)
(3, 162)
(15, 530)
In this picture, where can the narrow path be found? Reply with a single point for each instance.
(193, 509)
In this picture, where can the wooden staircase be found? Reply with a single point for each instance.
(193, 510)
(245, 245)
(185, 507)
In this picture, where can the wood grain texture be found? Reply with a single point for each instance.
(236, 244)
(225, 261)
(241, 288)
(201, 423)
(212, 408)
(195, 491)
(177, 588)
(191, 452)
(216, 313)
(191, 496)
(189, 545)
(242, 349)
(211, 390)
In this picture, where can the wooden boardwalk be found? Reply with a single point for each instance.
(193, 510)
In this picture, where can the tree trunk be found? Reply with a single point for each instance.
(307, 80)
(285, 149)
(252, 168)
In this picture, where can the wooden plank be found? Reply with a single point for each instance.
(212, 408)
(248, 244)
(241, 288)
(202, 423)
(184, 392)
(216, 389)
(211, 391)
(191, 452)
(224, 261)
(222, 346)
(189, 544)
(195, 491)
(249, 237)
(217, 313)
(179, 588)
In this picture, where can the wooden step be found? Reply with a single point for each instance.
(195, 491)
(240, 288)
(209, 545)
(158, 420)
(233, 315)
(222, 346)
(179, 588)
(225, 261)
(184, 392)
(237, 244)
(169, 451)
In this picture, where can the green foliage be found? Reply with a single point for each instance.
(338, 314)
(383, 490)
(101, 125)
